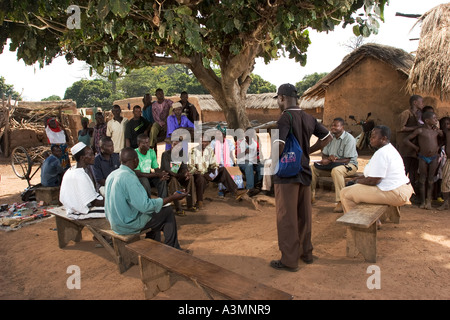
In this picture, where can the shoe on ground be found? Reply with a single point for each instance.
(338, 208)
(199, 205)
(221, 194)
(277, 264)
(307, 259)
(180, 212)
(238, 194)
(268, 193)
(192, 209)
(253, 192)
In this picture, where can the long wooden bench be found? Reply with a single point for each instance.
(362, 228)
(70, 230)
(160, 264)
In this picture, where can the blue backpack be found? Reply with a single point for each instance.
(290, 162)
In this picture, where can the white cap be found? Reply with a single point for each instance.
(78, 147)
(176, 105)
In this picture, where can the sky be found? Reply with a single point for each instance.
(325, 53)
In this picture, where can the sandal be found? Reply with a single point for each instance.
(192, 209)
(180, 213)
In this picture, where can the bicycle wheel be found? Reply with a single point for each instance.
(21, 162)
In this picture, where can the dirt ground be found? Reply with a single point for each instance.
(413, 256)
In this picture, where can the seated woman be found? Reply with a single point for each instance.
(384, 180)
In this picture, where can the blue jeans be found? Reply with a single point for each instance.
(252, 173)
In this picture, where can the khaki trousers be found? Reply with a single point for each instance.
(294, 222)
(360, 193)
(338, 174)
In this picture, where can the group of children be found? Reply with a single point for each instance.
(431, 141)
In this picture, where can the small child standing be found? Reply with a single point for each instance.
(445, 185)
(427, 151)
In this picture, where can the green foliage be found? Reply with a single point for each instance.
(133, 32)
(92, 93)
(308, 81)
(259, 85)
(7, 90)
(53, 97)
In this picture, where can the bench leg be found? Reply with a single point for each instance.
(393, 214)
(125, 258)
(362, 241)
(154, 278)
(67, 231)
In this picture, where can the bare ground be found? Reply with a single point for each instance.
(413, 256)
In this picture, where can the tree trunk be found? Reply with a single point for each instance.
(229, 91)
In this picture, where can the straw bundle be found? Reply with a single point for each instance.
(430, 73)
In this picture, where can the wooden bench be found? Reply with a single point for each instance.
(70, 230)
(362, 228)
(159, 264)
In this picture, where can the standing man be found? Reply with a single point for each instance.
(408, 122)
(293, 194)
(135, 127)
(115, 128)
(99, 131)
(189, 110)
(339, 160)
(161, 109)
(147, 112)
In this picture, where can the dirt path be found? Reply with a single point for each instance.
(413, 256)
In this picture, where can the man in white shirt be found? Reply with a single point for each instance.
(115, 128)
(384, 181)
(78, 193)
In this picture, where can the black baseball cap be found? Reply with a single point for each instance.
(287, 89)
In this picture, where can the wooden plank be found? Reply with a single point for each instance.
(363, 216)
(364, 241)
(227, 283)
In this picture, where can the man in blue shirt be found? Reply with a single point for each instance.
(128, 208)
(106, 161)
(52, 171)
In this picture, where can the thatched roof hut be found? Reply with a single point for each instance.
(398, 59)
(430, 73)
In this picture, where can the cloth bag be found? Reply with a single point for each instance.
(290, 162)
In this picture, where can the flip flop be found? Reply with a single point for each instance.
(180, 213)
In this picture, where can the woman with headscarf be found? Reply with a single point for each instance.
(56, 135)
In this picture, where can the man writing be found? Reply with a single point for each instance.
(339, 160)
(79, 193)
(130, 210)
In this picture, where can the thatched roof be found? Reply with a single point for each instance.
(399, 59)
(430, 73)
(254, 101)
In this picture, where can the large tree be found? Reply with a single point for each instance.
(230, 34)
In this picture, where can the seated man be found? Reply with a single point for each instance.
(248, 161)
(203, 166)
(51, 170)
(148, 162)
(78, 193)
(179, 177)
(384, 181)
(177, 121)
(224, 151)
(129, 210)
(339, 160)
(105, 162)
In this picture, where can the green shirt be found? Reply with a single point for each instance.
(127, 206)
(343, 147)
(147, 161)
